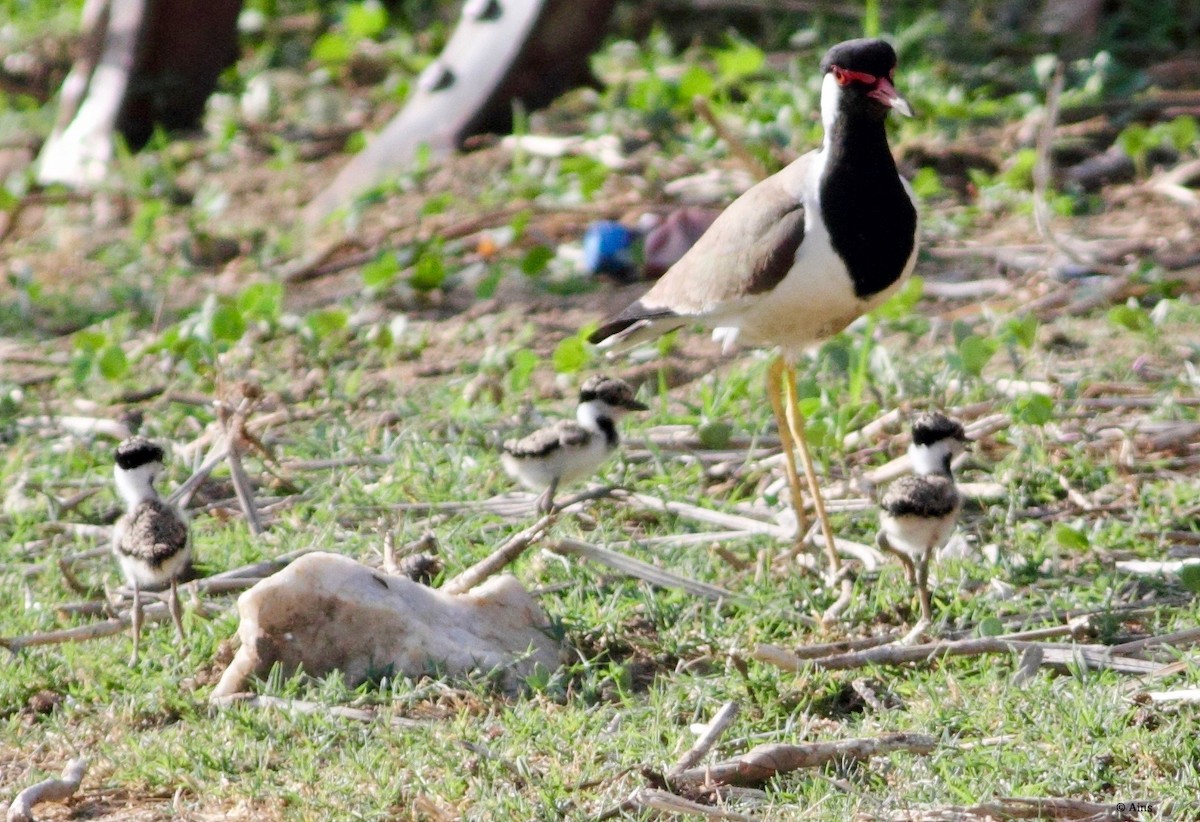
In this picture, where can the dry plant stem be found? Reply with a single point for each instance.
(707, 516)
(241, 486)
(1043, 173)
(641, 570)
(719, 724)
(834, 612)
(182, 495)
(669, 803)
(495, 562)
(748, 160)
(1054, 654)
(301, 706)
(49, 790)
(765, 761)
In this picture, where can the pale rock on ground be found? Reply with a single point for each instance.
(326, 612)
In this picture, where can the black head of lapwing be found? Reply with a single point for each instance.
(803, 253)
(571, 450)
(918, 513)
(151, 539)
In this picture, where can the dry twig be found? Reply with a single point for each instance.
(48, 790)
(301, 706)
(495, 562)
(706, 740)
(765, 761)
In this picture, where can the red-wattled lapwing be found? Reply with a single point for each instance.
(151, 539)
(571, 450)
(918, 513)
(802, 254)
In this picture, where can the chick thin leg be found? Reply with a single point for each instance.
(135, 619)
(545, 503)
(795, 421)
(176, 614)
(775, 392)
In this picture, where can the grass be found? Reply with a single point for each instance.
(371, 363)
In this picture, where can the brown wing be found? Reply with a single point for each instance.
(545, 441)
(748, 250)
(921, 496)
(153, 532)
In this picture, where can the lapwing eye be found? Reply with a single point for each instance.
(841, 75)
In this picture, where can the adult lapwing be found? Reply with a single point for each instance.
(917, 514)
(803, 253)
(151, 539)
(571, 450)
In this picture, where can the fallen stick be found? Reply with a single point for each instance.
(659, 800)
(302, 706)
(765, 761)
(708, 516)
(706, 740)
(1053, 654)
(48, 790)
(641, 570)
(492, 564)
(1178, 639)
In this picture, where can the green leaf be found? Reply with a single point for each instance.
(381, 272)
(902, 302)
(926, 183)
(1189, 575)
(536, 259)
(430, 271)
(569, 356)
(976, 352)
(1019, 174)
(145, 219)
(365, 20)
(1183, 132)
(519, 223)
(1131, 316)
(228, 323)
(1068, 537)
(326, 322)
(112, 363)
(715, 434)
(739, 61)
(89, 340)
(1023, 329)
(990, 626)
(524, 362)
(1034, 409)
(261, 301)
(696, 82)
(332, 49)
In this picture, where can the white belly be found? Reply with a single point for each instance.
(917, 535)
(148, 576)
(566, 464)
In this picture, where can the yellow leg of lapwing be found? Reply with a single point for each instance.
(775, 391)
(795, 424)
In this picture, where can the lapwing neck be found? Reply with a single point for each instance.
(932, 460)
(596, 416)
(135, 485)
(870, 215)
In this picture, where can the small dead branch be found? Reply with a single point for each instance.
(49, 790)
(1188, 696)
(706, 740)
(834, 612)
(765, 761)
(1094, 656)
(301, 706)
(495, 562)
(667, 802)
(641, 570)
(736, 146)
(708, 516)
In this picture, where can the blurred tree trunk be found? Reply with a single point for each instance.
(144, 63)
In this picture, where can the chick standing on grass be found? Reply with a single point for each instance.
(918, 513)
(150, 540)
(571, 450)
